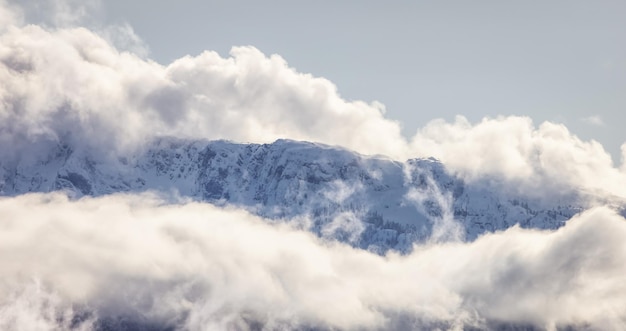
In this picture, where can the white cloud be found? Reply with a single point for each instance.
(10, 15)
(56, 13)
(539, 160)
(438, 207)
(593, 120)
(205, 267)
(70, 82)
(623, 150)
(124, 38)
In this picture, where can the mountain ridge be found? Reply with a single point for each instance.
(371, 202)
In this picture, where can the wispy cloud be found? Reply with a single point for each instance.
(593, 120)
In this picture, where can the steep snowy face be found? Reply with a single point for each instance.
(371, 202)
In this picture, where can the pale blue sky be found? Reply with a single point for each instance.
(563, 61)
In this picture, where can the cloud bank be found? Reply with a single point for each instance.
(199, 267)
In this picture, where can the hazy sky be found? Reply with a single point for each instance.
(562, 61)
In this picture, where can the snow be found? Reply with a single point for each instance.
(290, 179)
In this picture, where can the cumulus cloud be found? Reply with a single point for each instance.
(62, 83)
(199, 267)
(71, 85)
(544, 159)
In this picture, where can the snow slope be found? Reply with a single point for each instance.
(371, 202)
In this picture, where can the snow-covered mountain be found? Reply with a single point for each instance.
(371, 202)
